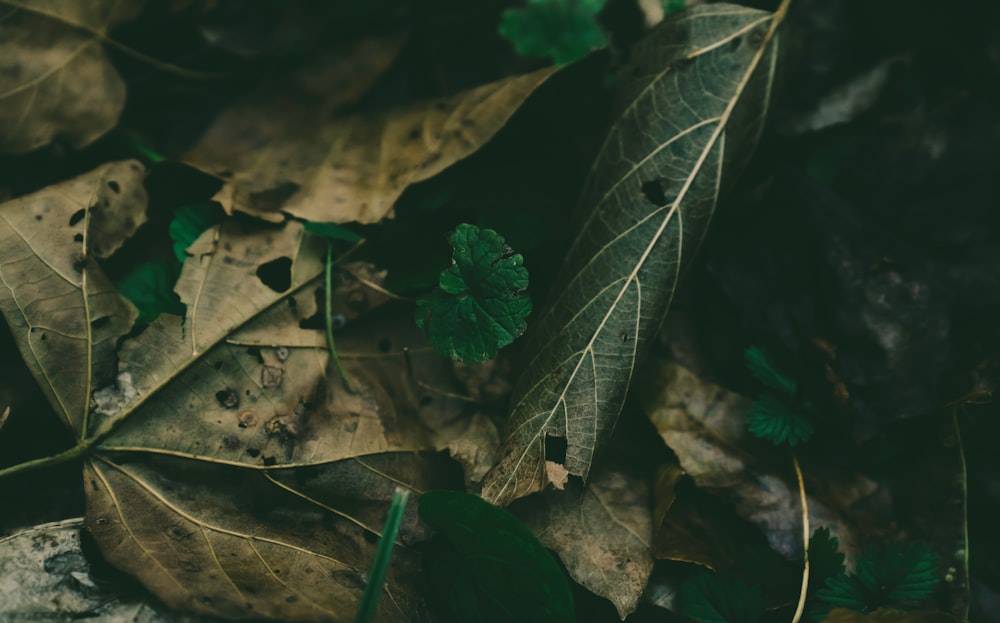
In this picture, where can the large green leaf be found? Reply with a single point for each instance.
(691, 107)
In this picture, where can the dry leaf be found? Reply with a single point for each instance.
(56, 82)
(289, 160)
(705, 425)
(603, 534)
(230, 479)
(690, 108)
(473, 442)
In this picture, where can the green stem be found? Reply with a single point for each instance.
(383, 554)
(65, 456)
(329, 319)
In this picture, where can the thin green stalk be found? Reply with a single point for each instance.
(383, 554)
(329, 318)
(65, 456)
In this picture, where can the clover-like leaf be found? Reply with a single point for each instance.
(825, 559)
(480, 305)
(896, 575)
(765, 371)
(563, 30)
(774, 420)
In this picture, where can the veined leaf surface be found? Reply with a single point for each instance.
(228, 475)
(690, 110)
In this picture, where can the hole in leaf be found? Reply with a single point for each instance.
(77, 217)
(115, 188)
(735, 43)
(276, 274)
(227, 398)
(254, 352)
(653, 192)
(555, 449)
(99, 323)
(315, 321)
(78, 238)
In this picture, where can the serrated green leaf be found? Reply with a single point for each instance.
(710, 598)
(480, 305)
(150, 287)
(764, 371)
(690, 109)
(896, 575)
(563, 30)
(772, 419)
(189, 222)
(825, 559)
(332, 230)
(487, 567)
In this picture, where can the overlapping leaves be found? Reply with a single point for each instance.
(230, 479)
(690, 109)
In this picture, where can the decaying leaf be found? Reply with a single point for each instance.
(56, 82)
(46, 576)
(705, 425)
(352, 168)
(230, 479)
(690, 109)
(603, 533)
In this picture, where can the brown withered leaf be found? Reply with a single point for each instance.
(230, 479)
(281, 158)
(705, 425)
(56, 82)
(603, 533)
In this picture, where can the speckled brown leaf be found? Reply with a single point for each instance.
(231, 477)
(690, 109)
(603, 533)
(67, 338)
(295, 161)
(56, 82)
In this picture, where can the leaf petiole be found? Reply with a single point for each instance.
(76, 452)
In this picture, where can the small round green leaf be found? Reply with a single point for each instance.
(480, 305)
